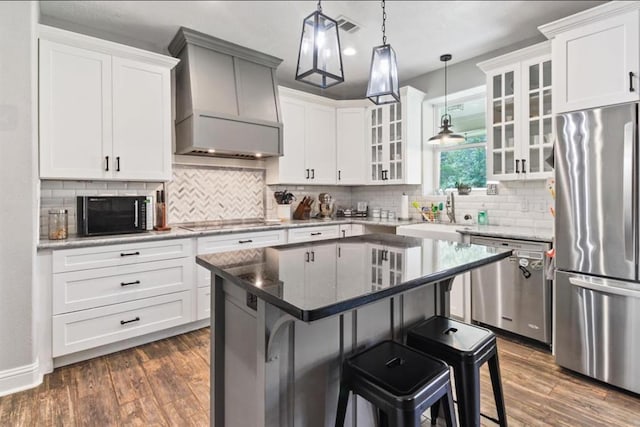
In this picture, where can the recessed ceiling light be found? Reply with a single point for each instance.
(349, 51)
(211, 150)
(258, 155)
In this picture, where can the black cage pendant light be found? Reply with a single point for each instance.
(383, 75)
(446, 134)
(319, 57)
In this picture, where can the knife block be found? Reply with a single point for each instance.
(302, 212)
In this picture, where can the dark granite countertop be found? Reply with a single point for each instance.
(315, 280)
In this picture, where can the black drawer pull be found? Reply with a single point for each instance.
(523, 167)
(106, 158)
(517, 165)
(124, 322)
(118, 164)
(245, 241)
(129, 254)
(137, 282)
(631, 88)
(316, 234)
(313, 174)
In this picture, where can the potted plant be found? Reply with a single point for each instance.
(463, 189)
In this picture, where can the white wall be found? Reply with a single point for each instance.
(18, 192)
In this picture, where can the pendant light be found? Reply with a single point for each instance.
(319, 57)
(446, 135)
(383, 75)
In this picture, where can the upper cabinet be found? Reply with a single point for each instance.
(105, 109)
(395, 140)
(309, 143)
(596, 57)
(520, 129)
(350, 140)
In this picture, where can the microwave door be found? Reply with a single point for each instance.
(111, 215)
(595, 201)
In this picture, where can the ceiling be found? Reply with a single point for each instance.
(419, 31)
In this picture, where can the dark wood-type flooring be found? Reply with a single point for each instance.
(166, 383)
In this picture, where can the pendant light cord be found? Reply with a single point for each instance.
(445, 87)
(319, 6)
(384, 19)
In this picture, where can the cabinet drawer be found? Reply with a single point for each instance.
(86, 329)
(239, 241)
(116, 255)
(308, 234)
(204, 303)
(79, 290)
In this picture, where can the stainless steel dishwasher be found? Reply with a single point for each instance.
(514, 294)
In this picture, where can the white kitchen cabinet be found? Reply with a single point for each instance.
(596, 57)
(309, 144)
(520, 130)
(105, 109)
(390, 267)
(348, 230)
(314, 267)
(105, 294)
(395, 140)
(351, 268)
(310, 234)
(351, 143)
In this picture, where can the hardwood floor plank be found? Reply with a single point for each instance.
(166, 384)
(142, 412)
(55, 407)
(183, 412)
(128, 377)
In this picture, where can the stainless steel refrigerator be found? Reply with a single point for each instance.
(597, 286)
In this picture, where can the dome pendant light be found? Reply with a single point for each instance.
(446, 135)
(319, 57)
(383, 75)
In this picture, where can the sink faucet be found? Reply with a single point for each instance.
(451, 208)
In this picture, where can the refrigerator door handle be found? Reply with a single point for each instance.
(611, 287)
(627, 192)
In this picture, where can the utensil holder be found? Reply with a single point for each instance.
(284, 212)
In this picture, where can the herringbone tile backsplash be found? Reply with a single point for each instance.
(208, 193)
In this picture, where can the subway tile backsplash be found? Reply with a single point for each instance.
(213, 193)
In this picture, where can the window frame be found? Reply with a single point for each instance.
(459, 97)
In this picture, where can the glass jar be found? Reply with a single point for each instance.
(58, 224)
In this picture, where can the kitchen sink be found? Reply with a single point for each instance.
(441, 231)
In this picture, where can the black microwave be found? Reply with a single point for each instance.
(100, 215)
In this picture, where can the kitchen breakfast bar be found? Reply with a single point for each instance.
(284, 318)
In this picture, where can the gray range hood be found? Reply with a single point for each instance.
(226, 98)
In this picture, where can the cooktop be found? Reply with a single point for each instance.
(228, 224)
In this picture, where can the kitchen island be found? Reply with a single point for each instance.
(284, 318)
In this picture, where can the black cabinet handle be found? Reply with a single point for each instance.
(524, 170)
(316, 234)
(245, 241)
(118, 164)
(124, 322)
(339, 175)
(106, 158)
(306, 257)
(313, 174)
(129, 253)
(344, 233)
(307, 173)
(631, 88)
(137, 282)
(313, 256)
(517, 165)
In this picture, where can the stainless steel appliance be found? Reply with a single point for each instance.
(597, 289)
(111, 215)
(514, 294)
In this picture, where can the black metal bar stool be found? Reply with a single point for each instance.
(465, 347)
(400, 381)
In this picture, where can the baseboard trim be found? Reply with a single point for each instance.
(20, 378)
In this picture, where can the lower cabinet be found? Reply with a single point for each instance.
(85, 329)
(105, 294)
(203, 304)
(310, 234)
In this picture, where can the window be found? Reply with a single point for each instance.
(466, 162)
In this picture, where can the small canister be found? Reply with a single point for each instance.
(58, 224)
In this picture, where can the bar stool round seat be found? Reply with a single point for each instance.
(465, 347)
(400, 381)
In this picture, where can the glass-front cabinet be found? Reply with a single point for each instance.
(520, 129)
(394, 133)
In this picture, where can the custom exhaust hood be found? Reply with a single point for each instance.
(226, 98)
